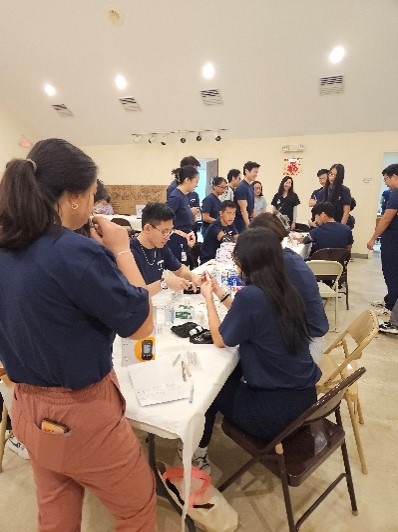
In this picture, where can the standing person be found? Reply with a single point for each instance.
(384, 199)
(190, 160)
(387, 230)
(183, 237)
(222, 230)
(338, 194)
(286, 200)
(318, 193)
(234, 177)
(63, 298)
(260, 204)
(275, 380)
(211, 204)
(244, 196)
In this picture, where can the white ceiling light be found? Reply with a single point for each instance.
(208, 71)
(50, 89)
(337, 54)
(120, 82)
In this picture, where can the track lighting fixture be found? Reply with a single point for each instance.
(199, 137)
(217, 138)
(183, 140)
(152, 139)
(136, 138)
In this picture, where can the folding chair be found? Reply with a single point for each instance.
(336, 366)
(301, 448)
(125, 223)
(340, 255)
(328, 270)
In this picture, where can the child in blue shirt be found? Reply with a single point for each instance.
(221, 230)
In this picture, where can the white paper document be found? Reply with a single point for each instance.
(158, 381)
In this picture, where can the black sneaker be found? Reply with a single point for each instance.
(388, 328)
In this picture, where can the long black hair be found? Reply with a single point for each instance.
(337, 184)
(258, 253)
(31, 188)
(281, 189)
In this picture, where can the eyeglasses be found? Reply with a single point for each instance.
(165, 232)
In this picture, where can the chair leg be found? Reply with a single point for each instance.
(286, 494)
(3, 428)
(346, 296)
(350, 484)
(357, 437)
(360, 415)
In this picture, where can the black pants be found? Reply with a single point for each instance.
(261, 413)
(389, 264)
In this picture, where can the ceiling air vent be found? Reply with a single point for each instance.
(130, 104)
(211, 97)
(332, 85)
(62, 110)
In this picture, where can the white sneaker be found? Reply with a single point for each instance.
(378, 303)
(18, 447)
(200, 458)
(382, 311)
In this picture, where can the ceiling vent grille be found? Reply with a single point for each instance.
(130, 104)
(332, 85)
(62, 110)
(211, 97)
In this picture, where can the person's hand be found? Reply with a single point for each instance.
(176, 283)
(196, 281)
(113, 236)
(191, 239)
(206, 289)
(312, 202)
(195, 211)
(216, 288)
(371, 243)
(293, 226)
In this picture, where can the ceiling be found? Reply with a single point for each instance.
(269, 58)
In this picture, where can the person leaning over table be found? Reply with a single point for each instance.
(222, 230)
(305, 283)
(63, 298)
(275, 380)
(387, 230)
(153, 256)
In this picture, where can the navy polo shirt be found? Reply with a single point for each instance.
(171, 188)
(338, 205)
(62, 299)
(317, 194)
(331, 235)
(392, 203)
(267, 362)
(179, 203)
(302, 278)
(244, 191)
(160, 259)
(210, 242)
(211, 205)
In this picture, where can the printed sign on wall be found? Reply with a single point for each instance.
(292, 166)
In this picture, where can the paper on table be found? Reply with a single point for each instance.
(158, 381)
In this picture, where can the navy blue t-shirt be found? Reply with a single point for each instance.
(160, 259)
(171, 188)
(210, 242)
(331, 235)
(286, 205)
(211, 204)
(244, 191)
(338, 205)
(179, 203)
(392, 203)
(317, 194)
(302, 278)
(267, 362)
(61, 302)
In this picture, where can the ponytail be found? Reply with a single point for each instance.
(186, 172)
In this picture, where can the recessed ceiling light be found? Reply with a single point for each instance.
(120, 82)
(49, 90)
(208, 71)
(337, 54)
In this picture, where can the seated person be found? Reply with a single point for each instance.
(329, 233)
(153, 256)
(222, 230)
(102, 200)
(275, 380)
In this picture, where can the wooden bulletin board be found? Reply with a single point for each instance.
(124, 198)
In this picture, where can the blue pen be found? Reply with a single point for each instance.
(191, 396)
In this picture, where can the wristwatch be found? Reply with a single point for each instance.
(163, 284)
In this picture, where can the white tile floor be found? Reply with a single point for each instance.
(257, 496)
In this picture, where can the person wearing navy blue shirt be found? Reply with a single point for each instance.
(286, 200)
(304, 281)
(318, 194)
(222, 230)
(153, 256)
(387, 230)
(338, 194)
(384, 199)
(190, 160)
(328, 233)
(275, 379)
(211, 204)
(183, 237)
(63, 298)
(244, 196)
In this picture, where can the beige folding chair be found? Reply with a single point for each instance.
(328, 270)
(339, 361)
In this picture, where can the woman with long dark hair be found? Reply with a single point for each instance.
(286, 200)
(275, 380)
(63, 298)
(338, 194)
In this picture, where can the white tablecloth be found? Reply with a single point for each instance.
(134, 221)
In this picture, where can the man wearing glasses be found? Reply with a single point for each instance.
(153, 256)
(211, 204)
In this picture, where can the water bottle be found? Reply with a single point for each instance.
(183, 254)
(169, 315)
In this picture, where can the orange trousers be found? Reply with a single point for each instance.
(100, 452)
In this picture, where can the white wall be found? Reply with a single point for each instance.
(361, 153)
(11, 131)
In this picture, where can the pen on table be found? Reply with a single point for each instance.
(184, 377)
(176, 360)
(191, 395)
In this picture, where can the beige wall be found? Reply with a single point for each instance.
(361, 153)
(11, 131)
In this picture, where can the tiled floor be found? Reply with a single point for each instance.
(257, 496)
